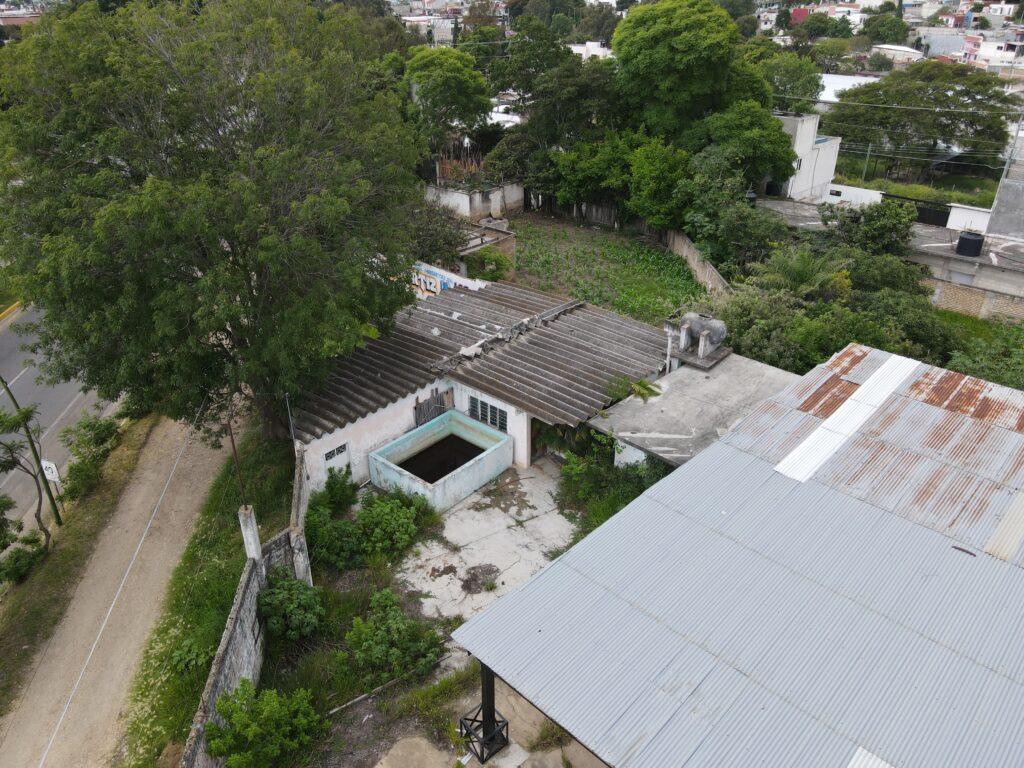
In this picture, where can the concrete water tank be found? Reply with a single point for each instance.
(970, 244)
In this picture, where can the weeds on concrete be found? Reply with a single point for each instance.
(433, 705)
(550, 736)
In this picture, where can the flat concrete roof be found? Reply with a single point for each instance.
(695, 407)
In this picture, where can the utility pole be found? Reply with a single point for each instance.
(35, 456)
(864, 173)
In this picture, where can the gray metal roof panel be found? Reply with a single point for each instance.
(733, 616)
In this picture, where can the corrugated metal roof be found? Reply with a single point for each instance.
(552, 357)
(733, 616)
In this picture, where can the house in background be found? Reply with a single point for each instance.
(899, 55)
(816, 157)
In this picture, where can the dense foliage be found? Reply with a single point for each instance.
(387, 644)
(262, 730)
(291, 608)
(183, 172)
(89, 442)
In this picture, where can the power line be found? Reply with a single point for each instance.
(909, 133)
(818, 100)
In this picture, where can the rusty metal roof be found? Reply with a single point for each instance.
(553, 358)
(868, 616)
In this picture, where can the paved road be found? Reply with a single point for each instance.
(59, 407)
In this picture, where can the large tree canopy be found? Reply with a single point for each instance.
(448, 93)
(680, 59)
(794, 80)
(204, 200)
(750, 135)
(927, 104)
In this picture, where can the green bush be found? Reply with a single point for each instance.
(18, 561)
(90, 441)
(291, 608)
(488, 263)
(387, 644)
(263, 730)
(333, 541)
(339, 491)
(388, 523)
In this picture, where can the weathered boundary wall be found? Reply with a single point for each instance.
(240, 653)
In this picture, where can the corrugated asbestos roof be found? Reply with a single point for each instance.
(551, 357)
(733, 616)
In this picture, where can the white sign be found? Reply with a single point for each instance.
(50, 470)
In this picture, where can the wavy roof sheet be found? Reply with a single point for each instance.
(734, 616)
(549, 356)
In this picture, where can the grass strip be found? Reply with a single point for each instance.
(31, 610)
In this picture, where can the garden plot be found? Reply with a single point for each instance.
(491, 542)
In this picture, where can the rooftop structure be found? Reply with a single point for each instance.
(836, 584)
(694, 408)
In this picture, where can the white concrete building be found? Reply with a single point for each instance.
(899, 55)
(591, 49)
(815, 158)
(500, 354)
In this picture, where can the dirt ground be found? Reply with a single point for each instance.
(91, 729)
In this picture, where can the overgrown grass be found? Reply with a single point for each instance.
(32, 609)
(967, 328)
(433, 705)
(606, 268)
(966, 190)
(550, 735)
(167, 686)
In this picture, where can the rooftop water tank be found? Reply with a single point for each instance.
(970, 244)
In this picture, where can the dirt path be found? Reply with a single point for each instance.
(90, 730)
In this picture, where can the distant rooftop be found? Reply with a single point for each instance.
(835, 584)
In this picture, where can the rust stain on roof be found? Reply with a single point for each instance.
(847, 360)
(824, 400)
(967, 396)
(937, 390)
(940, 435)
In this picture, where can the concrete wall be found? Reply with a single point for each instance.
(703, 270)
(518, 421)
(973, 286)
(856, 196)
(240, 653)
(497, 202)
(970, 217)
(363, 436)
(448, 491)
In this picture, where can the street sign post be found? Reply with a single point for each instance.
(51, 471)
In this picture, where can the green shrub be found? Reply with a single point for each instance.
(90, 441)
(18, 561)
(339, 491)
(387, 644)
(291, 608)
(488, 263)
(388, 523)
(333, 541)
(263, 730)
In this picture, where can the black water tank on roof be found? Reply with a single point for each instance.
(970, 244)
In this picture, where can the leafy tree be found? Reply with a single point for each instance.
(561, 26)
(387, 644)
(291, 608)
(678, 59)
(916, 319)
(597, 22)
(754, 138)
(210, 200)
(934, 102)
(656, 170)
(878, 62)
(829, 52)
(783, 18)
(744, 234)
(982, 23)
(449, 94)
(573, 101)
(794, 80)
(871, 272)
(15, 457)
(437, 235)
(884, 227)
(533, 51)
(596, 171)
(885, 28)
(747, 25)
(738, 8)
(803, 273)
(545, 11)
(480, 13)
(263, 730)
(484, 45)
(817, 25)
(999, 358)
(759, 49)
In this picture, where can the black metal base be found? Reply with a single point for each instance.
(483, 745)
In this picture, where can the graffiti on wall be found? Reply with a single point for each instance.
(429, 280)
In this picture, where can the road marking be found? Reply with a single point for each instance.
(120, 587)
(22, 373)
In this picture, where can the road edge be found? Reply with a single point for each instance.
(10, 310)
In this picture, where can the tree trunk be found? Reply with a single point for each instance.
(39, 512)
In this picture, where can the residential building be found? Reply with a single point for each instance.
(899, 55)
(816, 157)
(502, 354)
(835, 583)
(591, 49)
(833, 85)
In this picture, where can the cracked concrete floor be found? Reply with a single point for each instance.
(492, 541)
